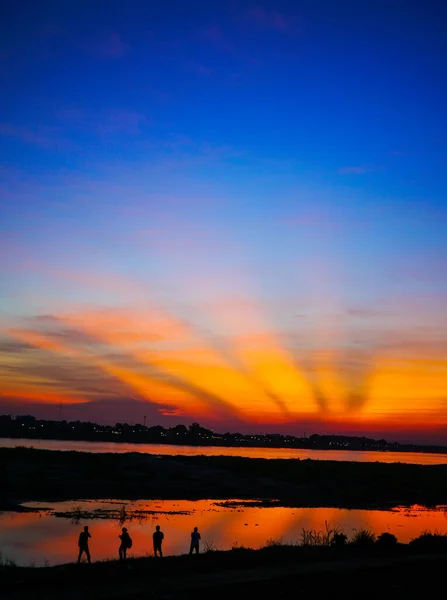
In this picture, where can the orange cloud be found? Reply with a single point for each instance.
(40, 396)
(237, 366)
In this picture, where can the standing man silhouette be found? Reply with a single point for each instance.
(126, 543)
(83, 544)
(195, 540)
(158, 538)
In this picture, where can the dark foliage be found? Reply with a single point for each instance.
(386, 540)
(430, 542)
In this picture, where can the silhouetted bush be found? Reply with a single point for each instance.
(386, 540)
(339, 539)
(430, 542)
(363, 538)
(274, 543)
(240, 548)
(209, 546)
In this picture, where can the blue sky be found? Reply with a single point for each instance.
(284, 156)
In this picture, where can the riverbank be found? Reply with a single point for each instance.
(44, 475)
(348, 572)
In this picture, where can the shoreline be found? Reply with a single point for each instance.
(400, 448)
(48, 475)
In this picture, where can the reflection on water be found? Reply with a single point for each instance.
(417, 458)
(37, 537)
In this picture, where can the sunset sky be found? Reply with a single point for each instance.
(226, 212)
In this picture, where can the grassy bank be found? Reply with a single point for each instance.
(30, 474)
(353, 570)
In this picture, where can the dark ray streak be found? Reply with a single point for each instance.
(226, 352)
(220, 405)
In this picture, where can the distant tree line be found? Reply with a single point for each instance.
(26, 426)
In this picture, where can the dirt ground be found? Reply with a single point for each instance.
(384, 578)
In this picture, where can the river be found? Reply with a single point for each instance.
(417, 458)
(39, 538)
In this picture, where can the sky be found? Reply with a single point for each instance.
(230, 213)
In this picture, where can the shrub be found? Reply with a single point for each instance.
(209, 546)
(240, 548)
(387, 540)
(363, 538)
(339, 539)
(272, 543)
(430, 542)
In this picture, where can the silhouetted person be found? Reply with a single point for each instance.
(195, 539)
(158, 537)
(83, 544)
(126, 542)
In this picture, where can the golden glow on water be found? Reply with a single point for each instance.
(37, 537)
(166, 449)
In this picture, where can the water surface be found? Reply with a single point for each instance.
(37, 537)
(419, 458)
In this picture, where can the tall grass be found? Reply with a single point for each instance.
(327, 537)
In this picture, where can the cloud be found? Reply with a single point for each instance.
(92, 345)
(45, 137)
(121, 121)
(110, 122)
(34, 396)
(112, 283)
(364, 313)
(178, 151)
(61, 376)
(106, 409)
(175, 239)
(104, 123)
(355, 170)
(224, 362)
(318, 219)
(11, 347)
